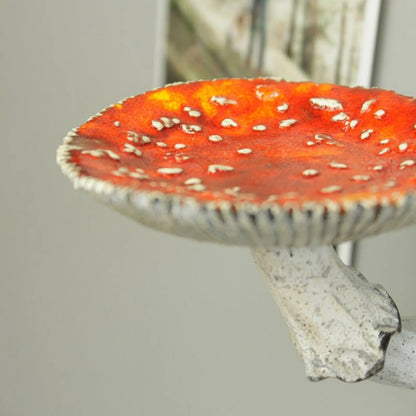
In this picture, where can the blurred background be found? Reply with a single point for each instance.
(101, 316)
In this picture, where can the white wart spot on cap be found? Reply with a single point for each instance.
(198, 187)
(407, 163)
(158, 125)
(287, 123)
(365, 108)
(403, 147)
(320, 137)
(378, 167)
(117, 172)
(101, 153)
(361, 178)
(328, 104)
(327, 139)
(194, 113)
(138, 175)
(366, 134)
(282, 107)
(145, 139)
(340, 117)
(132, 136)
(222, 100)
(232, 191)
(229, 122)
(309, 173)
(337, 165)
(244, 151)
(384, 151)
(259, 127)
(264, 93)
(331, 189)
(385, 141)
(180, 146)
(215, 138)
(129, 148)
(161, 144)
(117, 123)
(192, 181)
(191, 128)
(379, 114)
(219, 168)
(170, 171)
(123, 170)
(353, 124)
(167, 122)
(181, 157)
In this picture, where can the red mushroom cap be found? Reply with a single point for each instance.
(267, 162)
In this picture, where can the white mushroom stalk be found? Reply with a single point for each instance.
(339, 322)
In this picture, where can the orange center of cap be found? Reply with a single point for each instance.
(256, 140)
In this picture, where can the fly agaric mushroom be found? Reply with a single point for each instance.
(288, 169)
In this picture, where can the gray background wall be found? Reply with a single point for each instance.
(100, 316)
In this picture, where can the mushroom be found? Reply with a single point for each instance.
(287, 169)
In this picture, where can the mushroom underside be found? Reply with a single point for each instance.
(267, 225)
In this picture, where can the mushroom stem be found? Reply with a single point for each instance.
(400, 365)
(339, 322)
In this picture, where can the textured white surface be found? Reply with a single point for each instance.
(337, 319)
